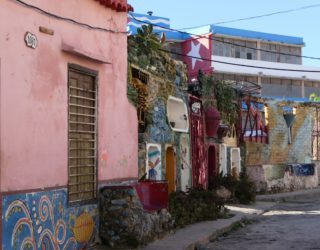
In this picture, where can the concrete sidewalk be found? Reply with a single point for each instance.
(203, 232)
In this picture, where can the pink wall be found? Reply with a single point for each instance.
(33, 98)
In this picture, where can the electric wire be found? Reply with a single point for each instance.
(259, 16)
(219, 40)
(238, 64)
(68, 19)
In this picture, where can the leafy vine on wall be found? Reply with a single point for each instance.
(217, 93)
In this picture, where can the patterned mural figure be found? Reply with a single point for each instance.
(42, 221)
(154, 162)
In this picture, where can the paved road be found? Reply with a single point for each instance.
(294, 225)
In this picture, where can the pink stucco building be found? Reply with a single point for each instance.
(66, 126)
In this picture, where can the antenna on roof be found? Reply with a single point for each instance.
(150, 13)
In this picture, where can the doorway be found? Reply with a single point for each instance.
(212, 163)
(170, 169)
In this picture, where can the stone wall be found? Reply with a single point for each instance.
(124, 223)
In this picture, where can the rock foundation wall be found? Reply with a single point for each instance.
(274, 178)
(124, 223)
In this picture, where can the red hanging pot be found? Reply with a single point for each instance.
(212, 118)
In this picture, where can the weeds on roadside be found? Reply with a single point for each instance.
(242, 189)
(194, 206)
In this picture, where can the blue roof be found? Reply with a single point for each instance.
(291, 99)
(256, 35)
(164, 24)
(260, 106)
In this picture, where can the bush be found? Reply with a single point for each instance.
(228, 181)
(242, 190)
(194, 206)
(245, 191)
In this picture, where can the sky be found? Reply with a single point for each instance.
(188, 13)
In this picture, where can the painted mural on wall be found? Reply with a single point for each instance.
(42, 220)
(185, 162)
(154, 162)
(301, 169)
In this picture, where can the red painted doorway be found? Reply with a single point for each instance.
(212, 164)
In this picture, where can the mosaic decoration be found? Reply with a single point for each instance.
(42, 220)
(185, 166)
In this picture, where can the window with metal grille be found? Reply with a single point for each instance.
(316, 135)
(140, 80)
(82, 134)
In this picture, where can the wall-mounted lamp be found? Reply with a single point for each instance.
(289, 115)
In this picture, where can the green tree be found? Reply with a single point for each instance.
(147, 40)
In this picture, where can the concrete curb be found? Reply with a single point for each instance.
(228, 227)
(290, 196)
(200, 233)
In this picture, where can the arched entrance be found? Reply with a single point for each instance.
(170, 169)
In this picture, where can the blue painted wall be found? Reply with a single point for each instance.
(42, 220)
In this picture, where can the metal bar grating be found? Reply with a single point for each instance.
(82, 137)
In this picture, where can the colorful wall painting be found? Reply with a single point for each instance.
(307, 169)
(185, 162)
(42, 220)
(154, 167)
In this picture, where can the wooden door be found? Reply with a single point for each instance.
(170, 170)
